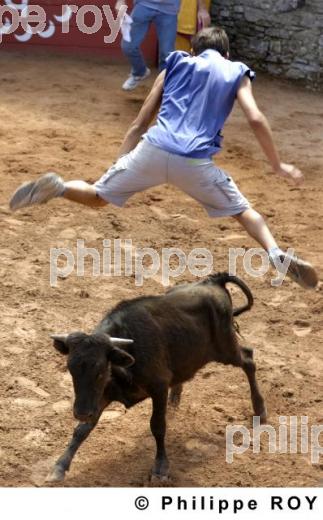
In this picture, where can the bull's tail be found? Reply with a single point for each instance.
(224, 278)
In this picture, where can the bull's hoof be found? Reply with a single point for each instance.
(174, 401)
(160, 472)
(56, 475)
(262, 416)
(156, 479)
(175, 396)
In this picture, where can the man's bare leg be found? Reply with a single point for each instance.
(257, 228)
(301, 272)
(82, 193)
(51, 186)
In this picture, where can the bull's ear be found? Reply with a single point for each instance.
(60, 343)
(120, 358)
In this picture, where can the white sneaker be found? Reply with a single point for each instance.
(133, 81)
(302, 273)
(47, 187)
(299, 271)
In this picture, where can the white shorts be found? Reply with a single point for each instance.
(147, 166)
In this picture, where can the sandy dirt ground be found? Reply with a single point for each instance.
(69, 115)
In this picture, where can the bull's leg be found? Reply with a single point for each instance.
(175, 395)
(81, 432)
(249, 367)
(158, 429)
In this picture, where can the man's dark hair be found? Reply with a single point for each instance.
(211, 38)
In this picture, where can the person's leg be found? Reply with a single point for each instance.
(166, 27)
(141, 17)
(220, 196)
(301, 272)
(131, 174)
(183, 42)
(257, 228)
(83, 193)
(51, 186)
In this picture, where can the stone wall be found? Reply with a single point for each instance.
(282, 37)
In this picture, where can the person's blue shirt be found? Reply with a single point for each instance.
(164, 6)
(199, 94)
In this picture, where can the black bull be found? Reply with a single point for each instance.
(162, 342)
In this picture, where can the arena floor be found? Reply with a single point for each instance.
(70, 116)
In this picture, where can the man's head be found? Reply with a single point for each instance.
(211, 38)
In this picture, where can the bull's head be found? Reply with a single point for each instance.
(89, 361)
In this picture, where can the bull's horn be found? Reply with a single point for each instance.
(119, 342)
(59, 337)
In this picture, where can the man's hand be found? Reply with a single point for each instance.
(288, 171)
(203, 16)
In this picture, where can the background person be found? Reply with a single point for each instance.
(163, 14)
(193, 16)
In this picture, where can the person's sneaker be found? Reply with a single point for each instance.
(299, 271)
(133, 81)
(47, 187)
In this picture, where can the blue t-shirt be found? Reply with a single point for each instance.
(164, 6)
(199, 94)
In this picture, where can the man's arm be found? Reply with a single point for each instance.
(260, 125)
(146, 115)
